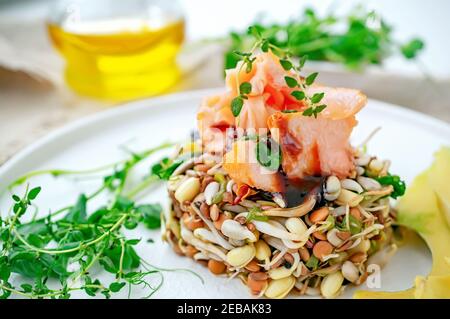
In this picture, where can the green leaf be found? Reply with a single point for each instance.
(27, 288)
(302, 61)
(16, 198)
(253, 30)
(151, 215)
(236, 106)
(116, 286)
(109, 265)
(26, 264)
(290, 81)
(311, 78)
(286, 64)
(317, 97)
(289, 111)
(90, 291)
(123, 204)
(165, 168)
(265, 46)
(412, 48)
(268, 156)
(77, 213)
(32, 194)
(396, 182)
(17, 207)
(133, 242)
(5, 270)
(231, 60)
(36, 240)
(4, 235)
(245, 88)
(96, 216)
(320, 108)
(308, 112)
(299, 95)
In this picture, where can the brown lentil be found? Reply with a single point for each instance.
(358, 257)
(253, 266)
(216, 267)
(322, 249)
(319, 215)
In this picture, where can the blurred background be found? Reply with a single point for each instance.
(62, 60)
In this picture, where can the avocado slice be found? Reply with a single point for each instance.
(425, 208)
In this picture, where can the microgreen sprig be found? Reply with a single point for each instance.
(294, 81)
(52, 256)
(355, 40)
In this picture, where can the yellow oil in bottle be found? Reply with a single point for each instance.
(119, 59)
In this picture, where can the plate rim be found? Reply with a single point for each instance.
(134, 106)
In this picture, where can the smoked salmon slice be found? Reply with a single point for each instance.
(310, 146)
(213, 119)
(242, 166)
(319, 146)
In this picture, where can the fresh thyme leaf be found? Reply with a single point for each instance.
(289, 111)
(299, 95)
(116, 286)
(32, 194)
(5, 270)
(311, 78)
(286, 64)
(317, 97)
(265, 46)
(320, 108)
(290, 81)
(236, 105)
(242, 54)
(165, 168)
(77, 213)
(308, 112)
(254, 30)
(245, 88)
(412, 48)
(396, 182)
(68, 242)
(302, 61)
(268, 153)
(151, 215)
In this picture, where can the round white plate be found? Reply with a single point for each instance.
(407, 138)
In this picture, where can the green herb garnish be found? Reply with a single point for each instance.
(268, 153)
(236, 104)
(396, 182)
(54, 255)
(165, 168)
(292, 81)
(355, 40)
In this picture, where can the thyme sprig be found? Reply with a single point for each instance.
(294, 81)
(65, 247)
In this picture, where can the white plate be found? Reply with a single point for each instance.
(407, 138)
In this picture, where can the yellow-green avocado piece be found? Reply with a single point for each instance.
(425, 208)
